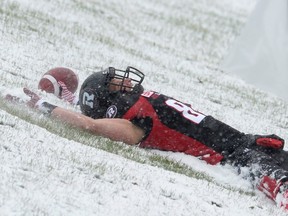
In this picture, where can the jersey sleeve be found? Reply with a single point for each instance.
(145, 124)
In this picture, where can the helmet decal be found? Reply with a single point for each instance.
(88, 99)
(111, 111)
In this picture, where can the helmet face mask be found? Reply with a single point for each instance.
(132, 74)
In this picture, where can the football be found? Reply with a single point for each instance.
(49, 80)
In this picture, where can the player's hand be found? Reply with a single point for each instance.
(13, 98)
(65, 93)
(38, 103)
(35, 101)
(34, 98)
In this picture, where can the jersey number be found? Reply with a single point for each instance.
(186, 111)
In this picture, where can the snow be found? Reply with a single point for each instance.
(179, 46)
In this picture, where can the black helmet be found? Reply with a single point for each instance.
(95, 97)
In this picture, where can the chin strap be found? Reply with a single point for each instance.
(138, 89)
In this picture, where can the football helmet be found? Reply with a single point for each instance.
(95, 96)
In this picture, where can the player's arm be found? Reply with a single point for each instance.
(114, 129)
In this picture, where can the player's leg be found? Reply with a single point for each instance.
(265, 173)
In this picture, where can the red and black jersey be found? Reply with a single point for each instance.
(174, 126)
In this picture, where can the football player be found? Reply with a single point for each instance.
(114, 105)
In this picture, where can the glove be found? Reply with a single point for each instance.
(66, 94)
(38, 103)
(270, 141)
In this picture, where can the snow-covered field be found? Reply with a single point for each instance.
(179, 45)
